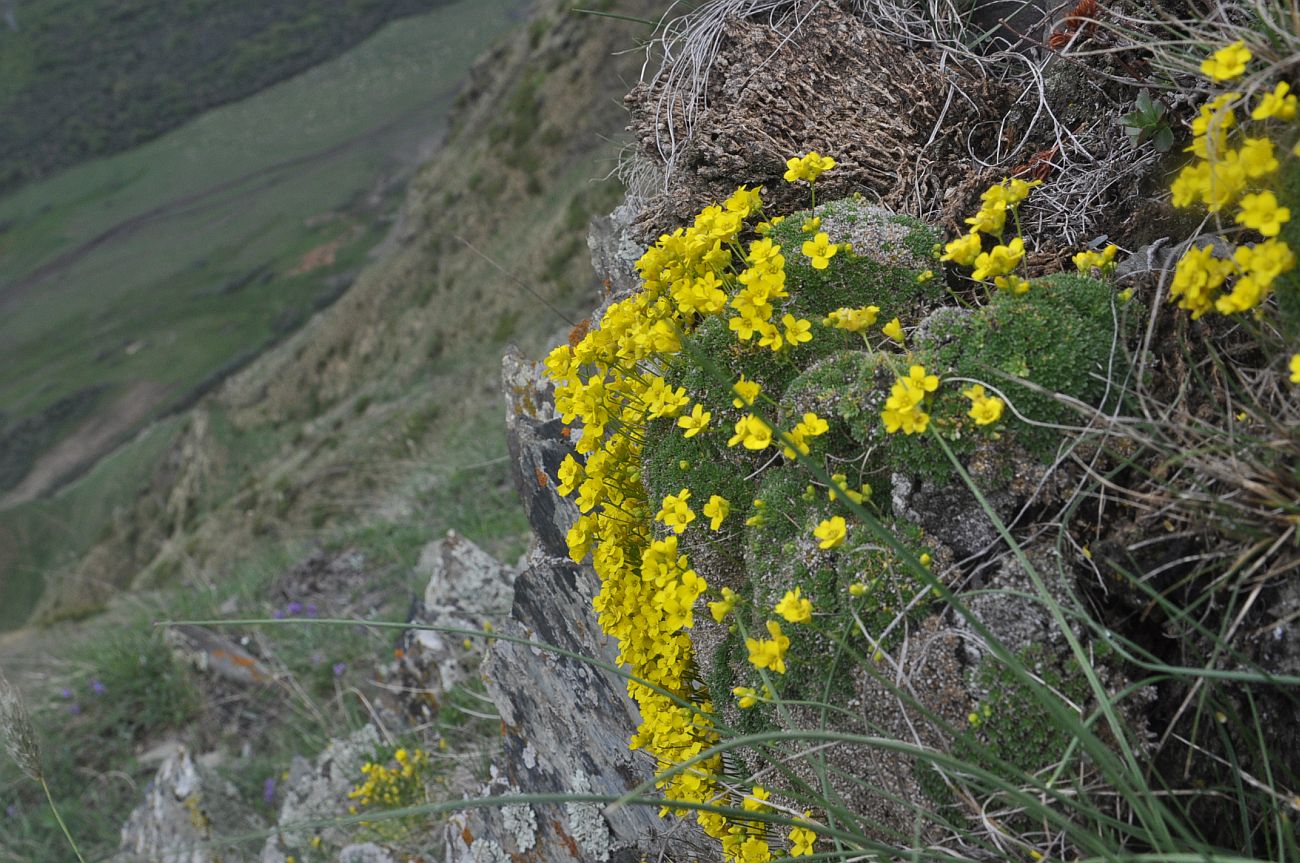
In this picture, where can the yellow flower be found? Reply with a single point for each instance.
(744, 201)
(894, 329)
(821, 250)
(723, 607)
(962, 251)
(922, 278)
(984, 409)
(802, 839)
(746, 697)
(696, 422)
(853, 320)
(811, 224)
(999, 261)
(570, 474)
(831, 533)
(1280, 103)
(717, 510)
(757, 800)
(770, 336)
(794, 607)
(1227, 63)
(1256, 157)
(797, 331)
(1295, 368)
(1261, 212)
(770, 652)
(926, 383)
(676, 513)
(751, 433)
(746, 392)
(991, 218)
(754, 850)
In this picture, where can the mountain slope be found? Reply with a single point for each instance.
(385, 407)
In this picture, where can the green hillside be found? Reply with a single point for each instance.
(130, 285)
(85, 79)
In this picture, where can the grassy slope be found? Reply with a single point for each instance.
(186, 297)
(376, 427)
(86, 79)
(376, 407)
(178, 296)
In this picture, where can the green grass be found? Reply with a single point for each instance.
(44, 535)
(125, 690)
(118, 73)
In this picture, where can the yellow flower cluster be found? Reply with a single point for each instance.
(1001, 261)
(984, 409)
(1103, 260)
(853, 320)
(808, 167)
(1220, 176)
(607, 381)
(903, 409)
(397, 783)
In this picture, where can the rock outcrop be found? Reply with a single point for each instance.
(467, 589)
(566, 721)
(317, 790)
(185, 808)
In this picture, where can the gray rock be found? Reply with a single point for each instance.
(467, 589)
(535, 437)
(318, 790)
(951, 513)
(615, 248)
(367, 852)
(184, 809)
(566, 722)
(1155, 257)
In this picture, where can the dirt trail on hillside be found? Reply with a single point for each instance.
(92, 439)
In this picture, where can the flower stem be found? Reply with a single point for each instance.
(59, 818)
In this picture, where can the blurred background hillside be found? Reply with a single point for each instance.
(258, 267)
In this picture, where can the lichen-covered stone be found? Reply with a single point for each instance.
(467, 589)
(317, 790)
(185, 807)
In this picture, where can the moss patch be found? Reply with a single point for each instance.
(1057, 338)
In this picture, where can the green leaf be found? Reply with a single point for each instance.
(1164, 139)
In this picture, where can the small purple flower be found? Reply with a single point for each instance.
(97, 686)
(278, 614)
(311, 609)
(65, 692)
(268, 790)
(339, 668)
(12, 810)
(294, 607)
(74, 709)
